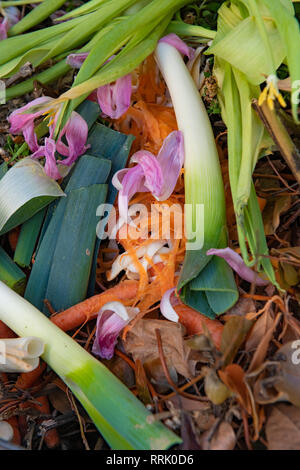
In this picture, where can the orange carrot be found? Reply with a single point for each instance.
(28, 379)
(74, 316)
(193, 322)
(51, 437)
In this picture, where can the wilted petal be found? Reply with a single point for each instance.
(166, 307)
(22, 117)
(76, 60)
(154, 178)
(173, 40)
(132, 182)
(112, 318)
(76, 132)
(48, 151)
(115, 99)
(236, 262)
(12, 16)
(171, 160)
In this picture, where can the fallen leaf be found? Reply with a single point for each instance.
(273, 211)
(224, 438)
(141, 343)
(188, 434)
(262, 349)
(141, 383)
(234, 334)
(283, 428)
(241, 308)
(215, 390)
(260, 328)
(233, 376)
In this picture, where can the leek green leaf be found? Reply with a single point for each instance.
(24, 190)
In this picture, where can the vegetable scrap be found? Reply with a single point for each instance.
(149, 225)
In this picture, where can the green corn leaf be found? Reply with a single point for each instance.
(11, 274)
(24, 190)
(88, 7)
(28, 238)
(183, 29)
(36, 16)
(3, 169)
(72, 259)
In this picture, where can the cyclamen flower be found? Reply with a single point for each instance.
(158, 175)
(12, 16)
(75, 132)
(112, 318)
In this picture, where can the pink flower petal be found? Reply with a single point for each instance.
(112, 318)
(173, 40)
(76, 132)
(76, 60)
(48, 151)
(236, 262)
(171, 160)
(12, 16)
(115, 99)
(109, 326)
(154, 178)
(132, 182)
(22, 117)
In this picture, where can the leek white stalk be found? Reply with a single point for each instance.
(118, 414)
(202, 172)
(20, 354)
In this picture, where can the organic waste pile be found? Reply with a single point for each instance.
(149, 225)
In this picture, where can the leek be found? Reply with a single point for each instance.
(118, 414)
(207, 284)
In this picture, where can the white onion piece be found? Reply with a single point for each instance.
(166, 308)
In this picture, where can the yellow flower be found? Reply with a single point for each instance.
(270, 93)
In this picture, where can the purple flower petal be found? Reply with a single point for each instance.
(21, 117)
(76, 132)
(48, 151)
(173, 40)
(236, 262)
(115, 99)
(171, 160)
(12, 16)
(154, 178)
(132, 182)
(76, 60)
(112, 318)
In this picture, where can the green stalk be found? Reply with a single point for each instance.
(202, 172)
(15, 46)
(207, 284)
(27, 239)
(119, 416)
(47, 76)
(16, 3)
(183, 29)
(11, 274)
(36, 16)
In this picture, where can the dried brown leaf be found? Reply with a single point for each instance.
(234, 334)
(283, 428)
(260, 328)
(224, 438)
(141, 343)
